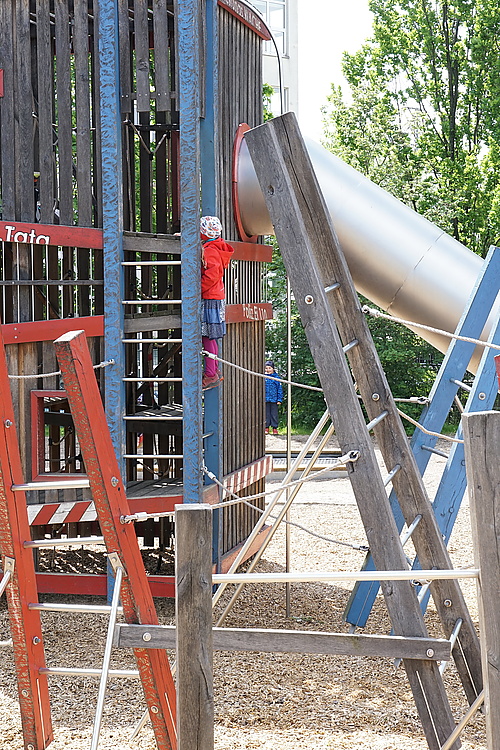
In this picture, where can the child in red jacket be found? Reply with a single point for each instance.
(215, 257)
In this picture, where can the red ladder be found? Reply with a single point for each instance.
(121, 542)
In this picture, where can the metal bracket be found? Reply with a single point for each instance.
(115, 562)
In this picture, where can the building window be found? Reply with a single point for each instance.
(274, 13)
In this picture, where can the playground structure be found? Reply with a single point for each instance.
(141, 388)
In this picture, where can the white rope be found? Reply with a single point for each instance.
(106, 363)
(348, 457)
(245, 501)
(378, 314)
(259, 374)
(428, 432)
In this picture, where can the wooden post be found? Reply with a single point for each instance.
(193, 605)
(482, 440)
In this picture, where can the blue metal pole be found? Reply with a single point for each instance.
(112, 200)
(187, 16)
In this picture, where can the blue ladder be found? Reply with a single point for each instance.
(482, 396)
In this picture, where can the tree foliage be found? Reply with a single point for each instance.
(425, 112)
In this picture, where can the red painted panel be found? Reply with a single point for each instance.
(252, 251)
(51, 234)
(246, 16)
(49, 330)
(85, 584)
(249, 313)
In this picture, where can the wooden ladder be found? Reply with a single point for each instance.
(16, 549)
(336, 330)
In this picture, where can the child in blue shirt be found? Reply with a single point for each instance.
(274, 397)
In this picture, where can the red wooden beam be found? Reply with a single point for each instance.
(1, 82)
(497, 366)
(111, 504)
(25, 624)
(49, 330)
(248, 17)
(51, 234)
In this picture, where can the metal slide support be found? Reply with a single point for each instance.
(25, 624)
(450, 492)
(111, 503)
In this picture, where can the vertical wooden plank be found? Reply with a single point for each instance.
(7, 137)
(24, 113)
(141, 36)
(63, 115)
(83, 135)
(162, 82)
(193, 610)
(482, 441)
(45, 111)
(96, 119)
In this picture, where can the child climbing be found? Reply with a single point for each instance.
(274, 397)
(215, 257)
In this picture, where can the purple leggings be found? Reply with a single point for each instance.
(210, 345)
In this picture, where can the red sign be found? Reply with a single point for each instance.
(50, 234)
(248, 16)
(249, 313)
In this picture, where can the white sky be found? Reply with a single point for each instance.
(327, 28)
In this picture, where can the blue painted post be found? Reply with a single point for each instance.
(112, 200)
(433, 418)
(210, 204)
(187, 15)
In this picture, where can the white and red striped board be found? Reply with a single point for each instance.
(249, 474)
(79, 511)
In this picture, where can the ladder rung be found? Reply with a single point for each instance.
(376, 421)
(434, 450)
(332, 287)
(153, 455)
(151, 341)
(152, 380)
(461, 385)
(151, 263)
(352, 344)
(95, 609)
(64, 542)
(411, 529)
(5, 581)
(391, 475)
(453, 640)
(130, 673)
(151, 301)
(133, 418)
(70, 484)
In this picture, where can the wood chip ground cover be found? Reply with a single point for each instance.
(286, 701)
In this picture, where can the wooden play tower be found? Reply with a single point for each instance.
(115, 118)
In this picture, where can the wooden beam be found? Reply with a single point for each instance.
(193, 614)
(293, 642)
(482, 438)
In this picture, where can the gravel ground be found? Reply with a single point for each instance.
(294, 702)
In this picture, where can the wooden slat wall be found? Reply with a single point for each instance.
(240, 77)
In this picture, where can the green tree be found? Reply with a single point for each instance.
(425, 111)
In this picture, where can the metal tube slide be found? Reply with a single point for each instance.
(398, 259)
